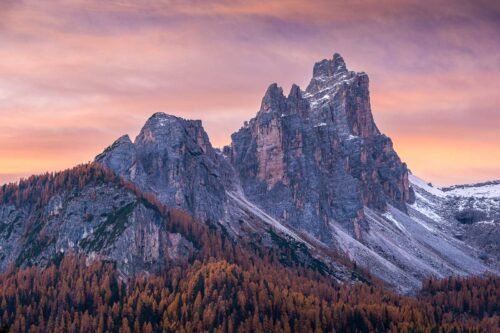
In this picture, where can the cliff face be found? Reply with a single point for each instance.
(316, 157)
(102, 220)
(173, 158)
(309, 159)
(310, 173)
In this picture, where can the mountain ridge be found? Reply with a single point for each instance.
(311, 170)
(314, 162)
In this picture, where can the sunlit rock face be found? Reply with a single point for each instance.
(310, 172)
(316, 157)
(309, 159)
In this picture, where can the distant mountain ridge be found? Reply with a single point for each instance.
(489, 189)
(310, 172)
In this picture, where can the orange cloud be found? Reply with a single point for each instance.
(75, 75)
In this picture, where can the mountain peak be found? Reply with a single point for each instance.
(123, 139)
(295, 92)
(311, 167)
(339, 62)
(173, 158)
(330, 68)
(161, 119)
(273, 99)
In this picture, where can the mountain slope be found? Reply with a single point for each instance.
(85, 210)
(317, 157)
(309, 178)
(173, 158)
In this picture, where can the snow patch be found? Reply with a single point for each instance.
(420, 183)
(424, 210)
(388, 216)
(484, 191)
(492, 222)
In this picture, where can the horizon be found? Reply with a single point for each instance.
(77, 76)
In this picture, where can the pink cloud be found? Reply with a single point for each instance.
(75, 75)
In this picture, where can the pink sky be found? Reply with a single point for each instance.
(75, 75)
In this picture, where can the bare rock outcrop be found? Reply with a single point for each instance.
(316, 157)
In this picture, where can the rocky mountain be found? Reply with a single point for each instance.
(477, 209)
(86, 209)
(174, 159)
(316, 157)
(311, 172)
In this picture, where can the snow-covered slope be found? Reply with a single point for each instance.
(481, 190)
(313, 174)
(402, 249)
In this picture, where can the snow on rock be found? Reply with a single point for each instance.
(391, 218)
(418, 182)
(487, 190)
(426, 210)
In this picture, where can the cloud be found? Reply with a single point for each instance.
(76, 74)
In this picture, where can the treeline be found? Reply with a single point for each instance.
(35, 191)
(217, 296)
(209, 238)
(226, 286)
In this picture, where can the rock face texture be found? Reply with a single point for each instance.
(312, 166)
(101, 220)
(477, 208)
(316, 157)
(173, 158)
(311, 172)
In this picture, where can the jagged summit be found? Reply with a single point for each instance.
(273, 99)
(317, 156)
(311, 166)
(163, 115)
(335, 96)
(164, 124)
(162, 118)
(328, 68)
(123, 139)
(314, 156)
(165, 119)
(326, 75)
(173, 158)
(295, 92)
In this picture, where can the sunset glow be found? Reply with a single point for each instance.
(76, 75)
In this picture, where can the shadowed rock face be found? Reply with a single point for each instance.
(173, 158)
(311, 170)
(104, 221)
(309, 159)
(316, 157)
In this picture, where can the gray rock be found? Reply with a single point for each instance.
(316, 157)
(311, 173)
(173, 158)
(104, 221)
